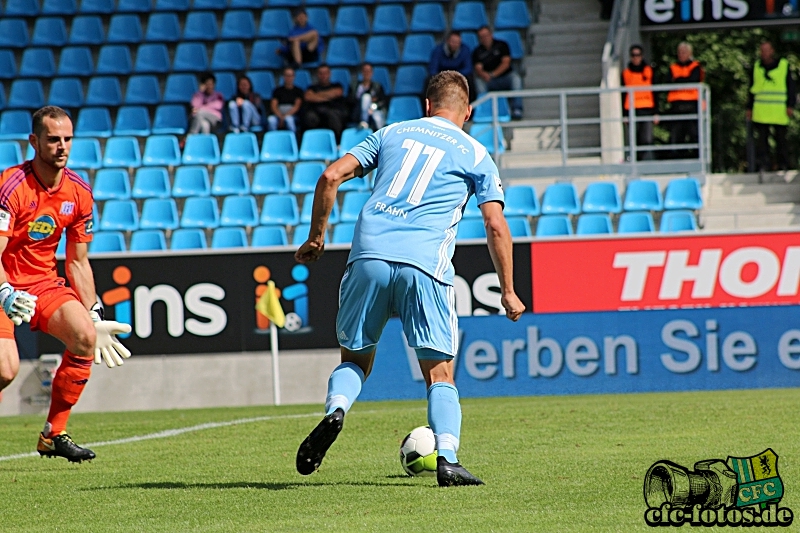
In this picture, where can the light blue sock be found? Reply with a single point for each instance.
(344, 386)
(444, 417)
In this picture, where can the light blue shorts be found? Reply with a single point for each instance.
(372, 289)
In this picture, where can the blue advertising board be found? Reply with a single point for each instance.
(605, 352)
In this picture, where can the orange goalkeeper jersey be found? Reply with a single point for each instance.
(33, 218)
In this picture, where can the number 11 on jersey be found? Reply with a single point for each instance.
(423, 179)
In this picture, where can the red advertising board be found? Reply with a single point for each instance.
(661, 273)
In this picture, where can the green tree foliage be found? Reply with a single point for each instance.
(728, 57)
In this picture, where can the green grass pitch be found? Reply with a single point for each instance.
(571, 463)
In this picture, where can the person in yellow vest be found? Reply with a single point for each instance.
(684, 101)
(770, 105)
(640, 74)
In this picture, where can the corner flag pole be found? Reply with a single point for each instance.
(269, 305)
(276, 378)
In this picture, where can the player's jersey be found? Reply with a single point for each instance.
(427, 170)
(34, 217)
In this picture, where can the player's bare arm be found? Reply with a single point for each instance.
(343, 169)
(498, 238)
(79, 273)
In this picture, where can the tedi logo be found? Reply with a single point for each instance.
(41, 228)
(661, 11)
(140, 313)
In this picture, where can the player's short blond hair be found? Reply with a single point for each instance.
(449, 90)
(50, 111)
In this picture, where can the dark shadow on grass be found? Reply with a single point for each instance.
(177, 485)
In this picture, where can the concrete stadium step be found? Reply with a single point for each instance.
(569, 10)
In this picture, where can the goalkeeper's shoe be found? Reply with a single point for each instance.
(453, 474)
(312, 450)
(61, 445)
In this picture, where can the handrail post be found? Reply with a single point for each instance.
(632, 131)
(562, 117)
(495, 123)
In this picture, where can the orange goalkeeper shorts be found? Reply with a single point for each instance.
(52, 294)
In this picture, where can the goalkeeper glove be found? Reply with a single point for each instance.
(19, 306)
(107, 346)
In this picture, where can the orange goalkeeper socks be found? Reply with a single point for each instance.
(71, 378)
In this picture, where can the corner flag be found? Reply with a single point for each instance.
(270, 306)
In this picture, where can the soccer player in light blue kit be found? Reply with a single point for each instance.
(401, 260)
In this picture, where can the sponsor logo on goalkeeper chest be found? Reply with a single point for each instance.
(41, 228)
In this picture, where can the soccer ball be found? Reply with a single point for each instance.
(293, 322)
(418, 452)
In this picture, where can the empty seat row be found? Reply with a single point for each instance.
(629, 222)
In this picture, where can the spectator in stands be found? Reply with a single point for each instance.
(369, 101)
(245, 107)
(770, 104)
(684, 101)
(325, 106)
(207, 104)
(493, 71)
(452, 54)
(640, 74)
(303, 44)
(285, 103)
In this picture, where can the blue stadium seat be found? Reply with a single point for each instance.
(594, 224)
(159, 213)
(87, 31)
(163, 28)
(103, 7)
(200, 26)
(319, 144)
(275, 23)
(216, 5)
(119, 215)
(322, 2)
(280, 209)
(519, 226)
(240, 148)
(188, 239)
(190, 57)
(37, 63)
(76, 61)
(521, 200)
(381, 75)
(561, 198)
(201, 149)
(351, 137)
(10, 154)
(148, 240)
(111, 184)
(512, 15)
(93, 122)
(226, 83)
(343, 52)
(125, 29)
(239, 211)
(171, 5)
(472, 210)
(683, 194)
(553, 225)
(66, 92)
(170, 119)
(107, 242)
(643, 195)
(246, 4)
(152, 57)
(469, 39)
(132, 120)
(352, 204)
(15, 125)
(85, 153)
(229, 238)
(514, 41)
(469, 16)
(13, 33)
(151, 182)
(355, 184)
(470, 228)
(230, 179)
(300, 234)
(482, 113)
(601, 197)
(263, 55)
(270, 236)
(228, 55)
(390, 18)
(114, 59)
(341, 75)
(351, 20)
(21, 8)
(200, 212)
(279, 146)
(677, 220)
(104, 91)
(26, 94)
(305, 176)
(410, 79)
(270, 178)
(162, 150)
(417, 48)
(122, 152)
(59, 7)
(263, 82)
(404, 108)
(343, 233)
(191, 181)
(636, 222)
(308, 204)
(134, 6)
(238, 24)
(30, 153)
(49, 31)
(302, 79)
(428, 18)
(142, 90)
(317, 17)
(179, 88)
(284, 3)
(382, 50)
(82, 174)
